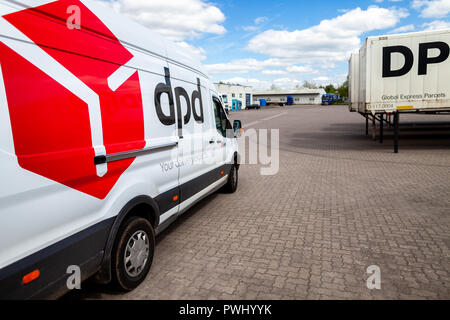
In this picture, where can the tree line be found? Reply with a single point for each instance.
(341, 90)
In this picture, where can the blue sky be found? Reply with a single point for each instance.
(281, 43)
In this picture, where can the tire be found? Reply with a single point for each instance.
(127, 275)
(233, 180)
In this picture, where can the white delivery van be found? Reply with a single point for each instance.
(405, 73)
(108, 133)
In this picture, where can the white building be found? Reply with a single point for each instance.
(236, 92)
(300, 96)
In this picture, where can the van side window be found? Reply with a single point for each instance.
(222, 123)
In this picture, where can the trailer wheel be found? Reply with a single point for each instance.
(132, 254)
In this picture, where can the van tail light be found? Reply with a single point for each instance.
(31, 276)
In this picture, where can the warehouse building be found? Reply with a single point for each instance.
(300, 96)
(235, 96)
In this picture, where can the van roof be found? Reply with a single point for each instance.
(130, 33)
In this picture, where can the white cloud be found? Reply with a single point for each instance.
(243, 66)
(436, 25)
(332, 40)
(176, 19)
(335, 79)
(327, 66)
(257, 84)
(287, 83)
(198, 53)
(257, 26)
(301, 69)
(432, 8)
(260, 20)
(402, 29)
(273, 72)
(237, 66)
(267, 67)
(322, 79)
(250, 28)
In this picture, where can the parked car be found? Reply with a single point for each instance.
(254, 106)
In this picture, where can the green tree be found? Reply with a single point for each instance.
(330, 89)
(343, 89)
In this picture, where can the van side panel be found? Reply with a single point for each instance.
(84, 250)
(193, 114)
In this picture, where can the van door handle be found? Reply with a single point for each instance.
(211, 142)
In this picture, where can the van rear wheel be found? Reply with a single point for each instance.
(133, 253)
(233, 179)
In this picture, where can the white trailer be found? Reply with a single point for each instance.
(401, 74)
(407, 72)
(353, 84)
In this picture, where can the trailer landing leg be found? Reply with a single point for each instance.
(367, 125)
(374, 128)
(396, 121)
(381, 128)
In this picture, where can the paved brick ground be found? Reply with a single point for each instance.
(339, 204)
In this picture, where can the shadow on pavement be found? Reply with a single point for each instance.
(351, 136)
(92, 291)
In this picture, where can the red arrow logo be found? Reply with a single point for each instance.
(52, 126)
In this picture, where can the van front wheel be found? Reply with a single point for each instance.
(133, 253)
(233, 179)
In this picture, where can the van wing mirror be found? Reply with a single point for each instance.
(237, 127)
